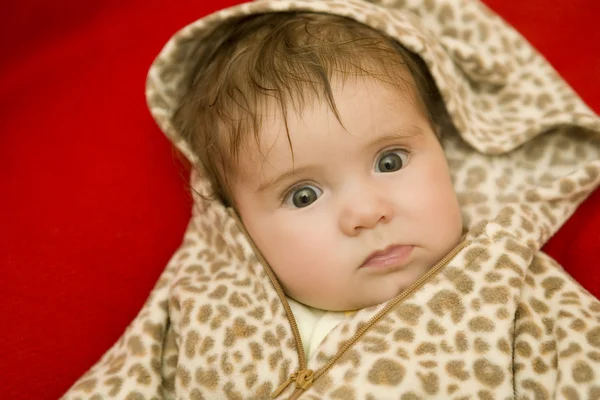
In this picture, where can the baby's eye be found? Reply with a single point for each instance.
(391, 161)
(303, 196)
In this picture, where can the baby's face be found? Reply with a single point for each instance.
(361, 210)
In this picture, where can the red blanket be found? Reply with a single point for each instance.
(93, 199)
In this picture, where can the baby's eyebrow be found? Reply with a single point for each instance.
(398, 133)
(282, 177)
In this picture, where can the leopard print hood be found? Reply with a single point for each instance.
(520, 127)
(495, 319)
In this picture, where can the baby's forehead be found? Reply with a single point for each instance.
(361, 108)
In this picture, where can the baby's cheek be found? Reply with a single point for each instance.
(297, 248)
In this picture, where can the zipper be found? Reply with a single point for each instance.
(282, 298)
(304, 378)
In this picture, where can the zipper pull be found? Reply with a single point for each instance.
(303, 380)
(284, 385)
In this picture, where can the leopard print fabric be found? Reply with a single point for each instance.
(498, 319)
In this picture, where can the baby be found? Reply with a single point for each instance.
(323, 135)
(370, 218)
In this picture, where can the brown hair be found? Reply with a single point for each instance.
(285, 59)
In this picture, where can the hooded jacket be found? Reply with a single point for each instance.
(495, 319)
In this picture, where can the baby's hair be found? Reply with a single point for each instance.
(282, 60)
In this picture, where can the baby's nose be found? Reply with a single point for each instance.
(365, 210)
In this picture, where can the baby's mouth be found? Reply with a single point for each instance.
(394, 255)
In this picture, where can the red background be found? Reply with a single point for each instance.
(93, 201)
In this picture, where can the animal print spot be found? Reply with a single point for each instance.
(256, 351)
(136, 346)
(561, 333)
(523, 251)
(481, 346)
(135, 396)
(523, 349)
(570, 393)
(375, 345)
(344, 393)
(207, 344)
(461, 341)
(551, 286)
(251, 377)
(485, 395)
(504, 262)
(446, 347)
(593, 337)
(538, 306)
(516, 283)
(457, 370)
(433, 328)
(529, 327)
(116, 383)
(527, 225)
(487, 373)
(492, 277)
(350, 376)
(86, 385)
(207, 378)
(204, 314)
(567, 186)
(258, 313)
(155, 331)
(481, 324)
(429, 382)
(548, 325)
(190, 343)
(461, 281)
(446, 300)
(239, 330)
(578, 325)
(386, 372)
(426, 348)
(475, 176)
(446, 14)
(403, 354)
(236, 301)
(594, 355)
(505, 216)
(582, 372)
(382, 328)
(275, 358)
(475, 257)
(238, 357)
(503, 346)
(143, 375)
(184, 376)
(231, 393)
(539, 391)
(428, 364)
(565, 314)
(409, 313)
(502, 313)
(226, 365)
(539, 366)
(548, 347)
